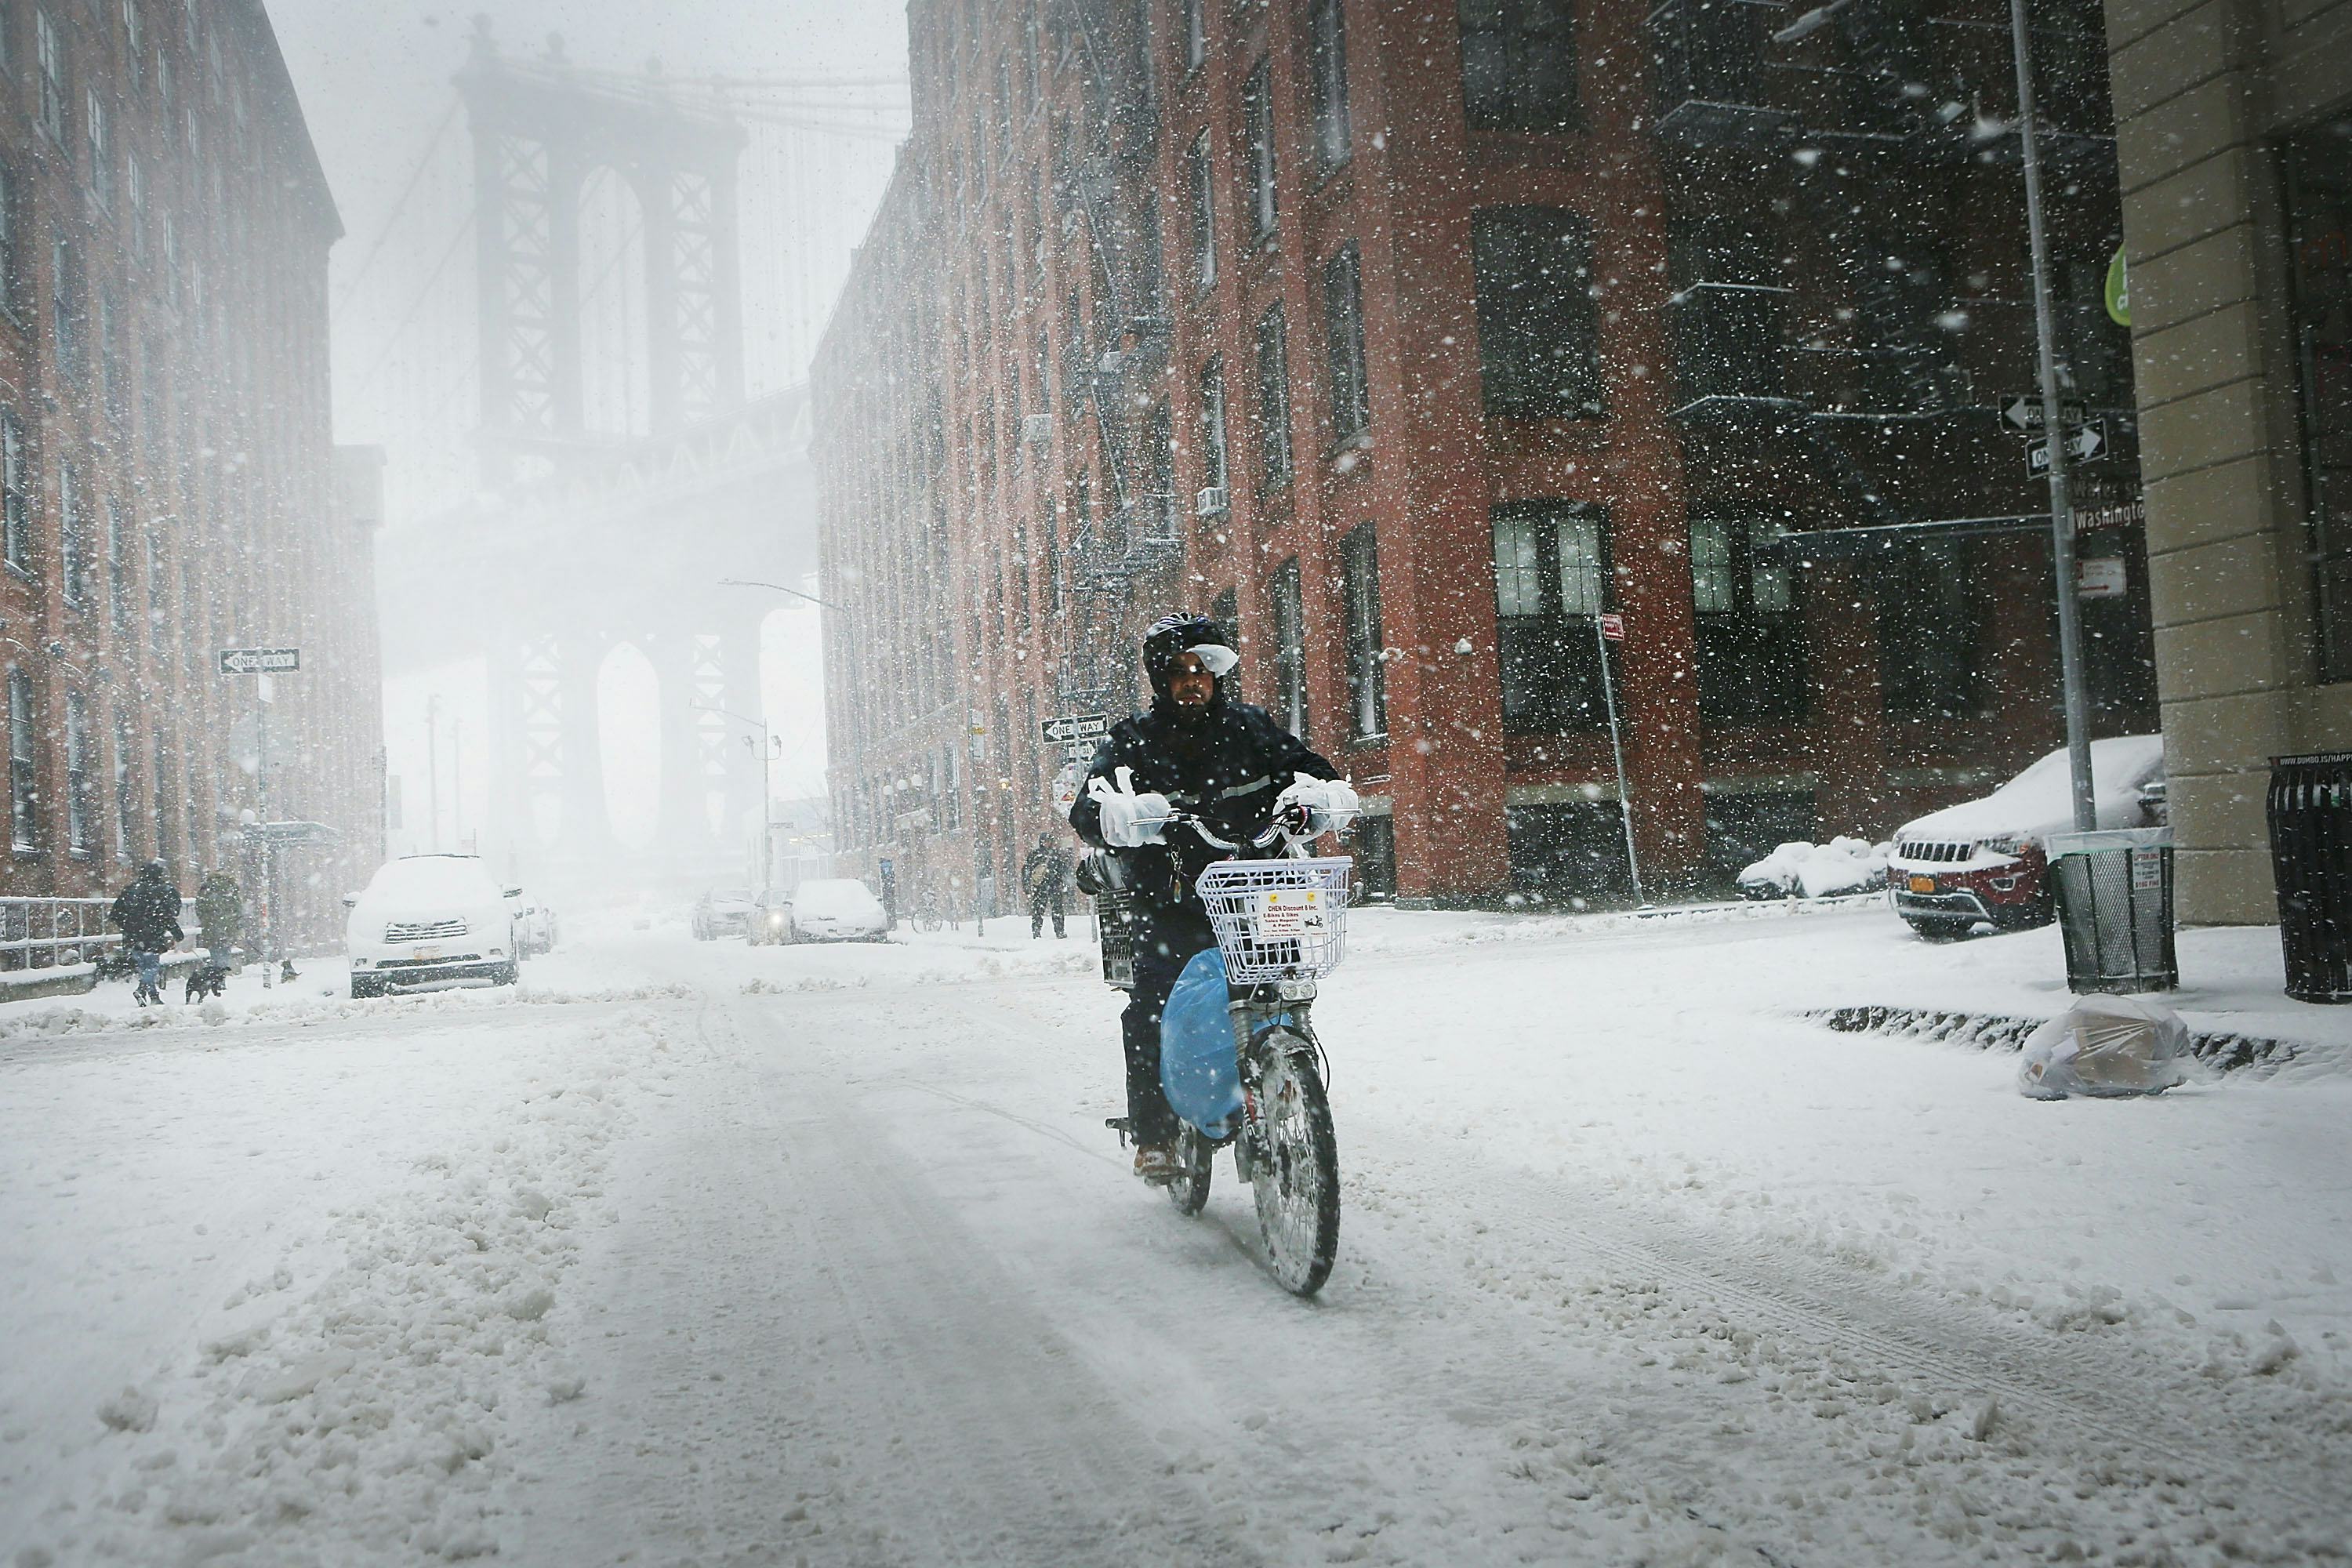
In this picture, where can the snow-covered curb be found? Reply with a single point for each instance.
(2224, 1050)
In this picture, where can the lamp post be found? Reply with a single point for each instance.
(771, 747)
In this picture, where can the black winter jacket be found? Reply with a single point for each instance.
(1227, 769)
(149, 913)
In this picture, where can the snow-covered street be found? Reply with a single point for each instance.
(690, 1253)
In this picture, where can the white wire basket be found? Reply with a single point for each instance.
(1279, 920)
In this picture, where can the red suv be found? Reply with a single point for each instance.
(1986, 862)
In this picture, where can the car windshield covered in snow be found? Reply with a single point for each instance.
(837, 897)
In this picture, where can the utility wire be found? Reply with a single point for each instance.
(393, 342)
(383, 235)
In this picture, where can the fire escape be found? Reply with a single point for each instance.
(1869, 105)
(1103, 188)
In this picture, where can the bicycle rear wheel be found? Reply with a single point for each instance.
(1190, 1190)
(1295, 1169)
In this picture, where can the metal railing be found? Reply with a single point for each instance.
(46, 933)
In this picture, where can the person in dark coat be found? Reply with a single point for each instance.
(149, 913)
(1046, 873)
(1225, 762)
(220, 914)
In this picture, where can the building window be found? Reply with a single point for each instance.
(1343, 338)
(1927, 634)
(158, 600)
(24, 787)
(1518, 64)
(1273, 398)
(1196, 33)
(125, 793)
(12, 269)
(2318, 167)
(65, 322)
(1551, 579)
(102, 157)
(1160, 452)
(1257, 124)
(1359, 595)
(1538, 353)
(167, 842)
(1204, 215)
(74, 527)
(1289, 647)
(114, 385)
(1751, 649)
(135, 199)
(118, 573)
(1214, 471)
(51, 52)
(134, 42)
(16, 495)
(77, 803)
(1328, 79)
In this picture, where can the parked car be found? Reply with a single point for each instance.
(835, 909)
(429, 920)
(1986, 862)
(723, 912)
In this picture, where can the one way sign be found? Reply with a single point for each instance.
(2083, 443)
(259, 660)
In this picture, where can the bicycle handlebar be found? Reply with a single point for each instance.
(1181, 818)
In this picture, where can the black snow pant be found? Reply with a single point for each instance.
(1166, 938)
(1040, 902)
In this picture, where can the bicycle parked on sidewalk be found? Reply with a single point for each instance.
(1281, 925)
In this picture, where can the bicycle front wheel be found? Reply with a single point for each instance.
(1295, 1169)
(1190, 1191)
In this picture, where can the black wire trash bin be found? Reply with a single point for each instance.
(2310, 811)
(2114, 910)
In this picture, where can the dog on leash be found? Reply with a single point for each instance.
(207, 980)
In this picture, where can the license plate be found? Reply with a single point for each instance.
(1923, 884)
(428, 952)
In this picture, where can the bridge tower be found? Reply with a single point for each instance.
(542, 129)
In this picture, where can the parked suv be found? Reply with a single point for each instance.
(430, 920)
(1986, 862)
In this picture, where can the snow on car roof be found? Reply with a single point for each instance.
(2040, 800)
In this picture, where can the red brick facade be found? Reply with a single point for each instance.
(1012, 201)
(164, 374)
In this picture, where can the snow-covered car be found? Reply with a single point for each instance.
(723, 912)
(835, 909)
(534, 924)
(430, 920)
(1986, 862)
(1805, 870)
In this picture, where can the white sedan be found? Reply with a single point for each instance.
(430, 920)
(835, 909)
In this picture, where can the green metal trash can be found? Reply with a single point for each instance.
(2310, 812)
(2114, 910)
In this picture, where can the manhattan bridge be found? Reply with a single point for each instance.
(581, 335)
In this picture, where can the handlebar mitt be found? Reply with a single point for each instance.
(1329, 805)
(1128, 820)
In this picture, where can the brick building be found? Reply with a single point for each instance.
(1410, 339)
(170, 473)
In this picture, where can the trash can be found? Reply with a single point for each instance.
(2115, 909)
(2310, 812)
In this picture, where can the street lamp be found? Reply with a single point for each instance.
(771, 747)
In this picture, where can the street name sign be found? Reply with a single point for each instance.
(2083, 443)
(259, 660)
(1077, 729)
(2024, 413)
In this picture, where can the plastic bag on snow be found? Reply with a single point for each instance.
(1197, 1070)
(2105, 1046)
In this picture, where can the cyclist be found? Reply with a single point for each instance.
(1231, 766)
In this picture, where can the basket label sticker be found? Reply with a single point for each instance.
(1289, 911)
(2147, 870)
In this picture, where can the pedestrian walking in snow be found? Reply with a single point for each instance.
(1046, 873)
(220, 915)
(149, 913)
(1226, 762)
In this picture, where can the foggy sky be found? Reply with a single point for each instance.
(374, 76)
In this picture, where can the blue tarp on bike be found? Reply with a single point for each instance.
(1196, 1048)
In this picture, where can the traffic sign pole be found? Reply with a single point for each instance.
(1617, 745)
(2061, 511)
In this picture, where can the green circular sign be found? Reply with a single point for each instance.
(2118, 291)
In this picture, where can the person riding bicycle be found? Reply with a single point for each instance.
(1223, 762)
